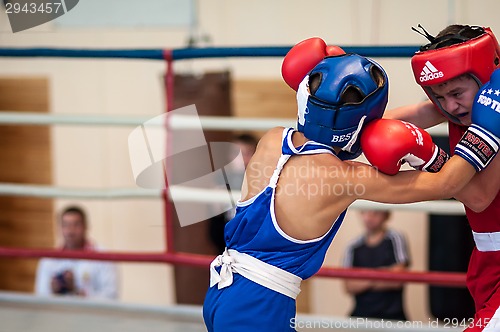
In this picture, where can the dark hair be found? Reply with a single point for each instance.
(467, 31)
(246, 139)
(77, 210)
(386, 212)
(451, 35)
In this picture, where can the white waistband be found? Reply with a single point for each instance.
(254, 269)
(487, 241)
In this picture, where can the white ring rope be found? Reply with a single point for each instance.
(182, 194)
(193, 195)
(190, 315)
(175, 121)
(42, 191)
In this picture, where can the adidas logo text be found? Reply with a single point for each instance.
(429, 72)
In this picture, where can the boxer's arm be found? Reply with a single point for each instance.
(477, 148)
(481, 141)
(423, 115)
(408, 186)
(478, 194)
(484, 186)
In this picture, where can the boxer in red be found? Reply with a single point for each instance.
(451, 69)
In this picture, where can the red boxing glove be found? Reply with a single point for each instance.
(303, 57)
(387, 144)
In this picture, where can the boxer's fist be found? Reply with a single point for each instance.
(303, 57)
(387, 144)
(480, 142)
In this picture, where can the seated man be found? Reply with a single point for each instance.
(77, 277)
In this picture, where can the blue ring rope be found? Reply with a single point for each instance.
(196, 53)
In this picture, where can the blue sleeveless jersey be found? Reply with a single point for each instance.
(245, 305)
(254, 229)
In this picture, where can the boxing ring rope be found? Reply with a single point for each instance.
(189, 194)
(180, 317)
(176, 121)
(208, 122)
(389, 51)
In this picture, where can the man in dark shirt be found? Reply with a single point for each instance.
(378, 247)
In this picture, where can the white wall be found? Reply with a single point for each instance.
(98, 157)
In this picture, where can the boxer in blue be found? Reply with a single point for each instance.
(300, 182)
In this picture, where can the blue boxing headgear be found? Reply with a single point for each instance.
(339, 96)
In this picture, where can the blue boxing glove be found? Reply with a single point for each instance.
(481, 141)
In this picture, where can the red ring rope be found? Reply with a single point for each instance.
(451, 279)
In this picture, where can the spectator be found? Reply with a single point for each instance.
(247, 144)
(383, 248)
(77, 277)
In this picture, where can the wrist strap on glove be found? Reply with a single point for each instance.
(439, 158)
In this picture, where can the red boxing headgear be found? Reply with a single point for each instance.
(477, 56)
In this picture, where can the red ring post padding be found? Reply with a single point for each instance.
(169, 106)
